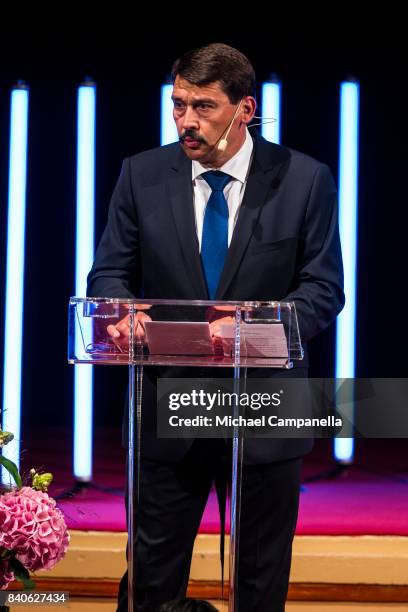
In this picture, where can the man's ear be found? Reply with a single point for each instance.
(248, 109)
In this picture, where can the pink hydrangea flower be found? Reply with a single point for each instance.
(33, 527)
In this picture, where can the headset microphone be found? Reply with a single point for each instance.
(223, 143)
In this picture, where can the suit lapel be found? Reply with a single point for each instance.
(182, 198)
(266, 163)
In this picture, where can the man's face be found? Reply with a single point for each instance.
(203, 115)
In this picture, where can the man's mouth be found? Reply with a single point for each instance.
(191, 140)
(191, 143)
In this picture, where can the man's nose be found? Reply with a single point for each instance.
(190, 119)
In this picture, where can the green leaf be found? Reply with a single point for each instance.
(21, 573)
(12, 469)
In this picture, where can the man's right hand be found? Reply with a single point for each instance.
(120, 332)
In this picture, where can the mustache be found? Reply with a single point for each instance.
(189, 133)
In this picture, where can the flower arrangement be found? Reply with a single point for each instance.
(33, 532)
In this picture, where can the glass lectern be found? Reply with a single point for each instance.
(235, 335)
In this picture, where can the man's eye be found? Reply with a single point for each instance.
(178, 105)
(204, 106)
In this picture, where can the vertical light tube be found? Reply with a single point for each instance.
(271, 108)
(85, 210)
(14, 293)
(168, 133)
(348, 217)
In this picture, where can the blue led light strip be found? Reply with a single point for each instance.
(168, 132)
(14, 302)
(348, 213)
(271, 108)
(85, 210)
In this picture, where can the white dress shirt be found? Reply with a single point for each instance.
(238, 168)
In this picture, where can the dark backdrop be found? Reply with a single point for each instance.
(129, 70)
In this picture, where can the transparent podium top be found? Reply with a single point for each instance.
(183, 333)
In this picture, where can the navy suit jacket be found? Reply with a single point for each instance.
(285, 246)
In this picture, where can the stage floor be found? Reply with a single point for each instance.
(350, 551)
(368, 498)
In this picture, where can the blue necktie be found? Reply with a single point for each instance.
(214, 242)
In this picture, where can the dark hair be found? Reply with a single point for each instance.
(187, 605)
(218, 62)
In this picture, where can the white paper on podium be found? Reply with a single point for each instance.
(257, 340)
(178, 338)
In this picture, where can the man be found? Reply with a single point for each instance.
(274, 236)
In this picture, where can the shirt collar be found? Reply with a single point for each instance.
(237, 166)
